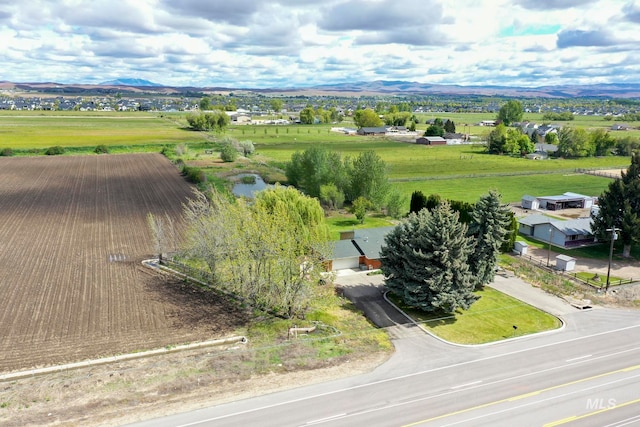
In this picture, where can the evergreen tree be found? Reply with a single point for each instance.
(418, 201)
(425, 259)
(449, 126)
(489, 226)
(619, 207)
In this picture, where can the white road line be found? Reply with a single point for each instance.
(579, 358)
(321, 420)
(415, 374)
(466, 385)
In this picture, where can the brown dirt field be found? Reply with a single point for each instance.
(73, 231)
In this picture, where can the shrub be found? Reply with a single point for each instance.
(181, 149)
(195, 175)
(54, 151)
(6, 152)
(228, 153)
(101, 149)
(247, 148)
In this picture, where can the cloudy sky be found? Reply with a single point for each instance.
(285, 43)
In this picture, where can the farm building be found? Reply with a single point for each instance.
(564, 234)
(455, 138)
(530, 202)
(431, 140)
(359, 249)
(554, 203)
(372, 131)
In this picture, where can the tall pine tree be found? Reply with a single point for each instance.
(619, 207)
(425, 259)
(489, 227)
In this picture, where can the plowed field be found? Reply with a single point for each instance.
(73, 231)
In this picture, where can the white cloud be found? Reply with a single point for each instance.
(260, 43)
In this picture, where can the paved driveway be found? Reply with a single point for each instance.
(366, 292)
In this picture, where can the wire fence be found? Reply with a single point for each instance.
(596, 281)
(204, 277)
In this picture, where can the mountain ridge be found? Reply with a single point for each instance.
(378, 87)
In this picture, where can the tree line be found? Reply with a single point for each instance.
(334, 180)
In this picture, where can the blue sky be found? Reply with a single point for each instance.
(297, 43)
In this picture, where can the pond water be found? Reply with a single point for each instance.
(248, 190)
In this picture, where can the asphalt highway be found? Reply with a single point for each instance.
(588, 373)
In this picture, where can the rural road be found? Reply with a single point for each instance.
(587, 372)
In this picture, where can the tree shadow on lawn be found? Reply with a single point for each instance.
(430, 319)
(347, 222)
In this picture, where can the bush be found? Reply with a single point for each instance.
(228, 153)
(54, 151)
(101, 149)
(195, 175)
(247, 148)
(7, 152)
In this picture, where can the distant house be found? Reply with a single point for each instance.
(542, 151)
(431, 140)
(545, 130)
(372, 131)
(397, 129)
(620, 127)
(454, 138)
(486, 123)
(564, 234)
(359, 249)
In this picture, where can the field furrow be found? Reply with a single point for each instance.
(73, 231)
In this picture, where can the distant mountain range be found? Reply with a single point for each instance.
(129, 82)
(611, 90)
(380, 87)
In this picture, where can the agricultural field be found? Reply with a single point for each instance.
(73, 233)
(456, 172)
(78, 131)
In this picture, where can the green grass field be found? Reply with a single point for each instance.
(455, 172)
(491, 318)
(128, 131)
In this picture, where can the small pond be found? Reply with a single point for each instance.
(241, 189)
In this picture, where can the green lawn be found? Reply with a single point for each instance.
(511, 187)
(491, 318)
(347, 222)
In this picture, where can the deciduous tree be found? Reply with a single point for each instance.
(574, 142)
(511, 112)
(269, 253)
(307, 116)
(368, 178)
(359, 208)
(366, 118)
(315, 167)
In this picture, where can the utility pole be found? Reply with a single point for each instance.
(614, 236)
(550, 240)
